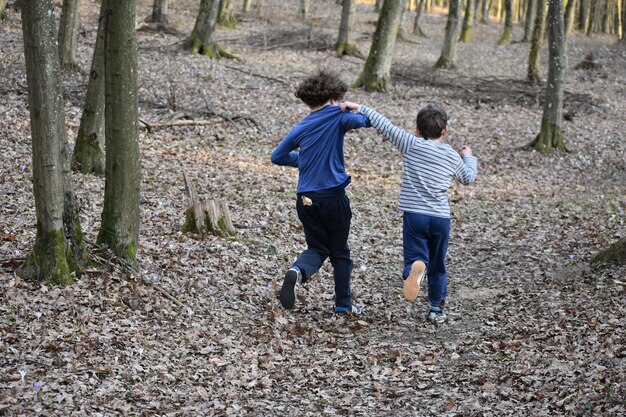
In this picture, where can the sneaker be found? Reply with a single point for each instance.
(437, 317)
(288, 290)
(411, 287)
(354, 309)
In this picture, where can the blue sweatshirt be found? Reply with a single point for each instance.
(319, 137)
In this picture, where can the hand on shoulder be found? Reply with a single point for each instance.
(348, 105)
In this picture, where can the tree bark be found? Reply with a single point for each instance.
(226, 16)
(345, 44)
(467, 31)
(201, 41)
(59, 249)
(3, 4)
(377, 70)
(119, 229)
(616, 253)
(623, 41)
(508, 23)
(536, 42)
(531, 11)
(159, 12)
(68, 32)
(89, 148)
(417, 28)
(305, 5)
(247, 6)
(569, 16)
(378, 6)
(485, 12)
(448, 53)
(582, 15)
(593, 5)
(551, 136)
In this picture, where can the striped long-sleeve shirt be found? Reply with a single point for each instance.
(429, 168)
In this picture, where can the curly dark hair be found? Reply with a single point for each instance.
(431, 120)
(320, 87)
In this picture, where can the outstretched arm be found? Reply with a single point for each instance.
(402, 139)
(467, 168)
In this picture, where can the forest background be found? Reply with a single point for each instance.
(195, 328)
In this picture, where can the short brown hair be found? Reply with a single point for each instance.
(320, 87)
(431, 120)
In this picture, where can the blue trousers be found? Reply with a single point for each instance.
(425, 238)
(326, 220)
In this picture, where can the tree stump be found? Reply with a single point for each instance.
(212, 216)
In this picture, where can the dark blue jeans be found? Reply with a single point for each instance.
(326, 220)
(425, 238)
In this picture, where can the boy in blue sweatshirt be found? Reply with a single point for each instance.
(322, 204)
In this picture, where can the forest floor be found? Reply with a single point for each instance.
(534, 329)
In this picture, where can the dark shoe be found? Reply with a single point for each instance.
(288, 290)
(354, 309)
(411, 287)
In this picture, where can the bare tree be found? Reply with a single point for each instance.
(247, 6)
(448, 52)
(119, 229)
(68, 32)
(160, 12)
(201, 41)
(531, 11)
(508, 23)
(417, 28)
(226, 16)
(484, 6)
(59, 250)
(345, 44)
(623, 41)
(88, 153)
(378, 5)
(467, 31)
(582, 15)
(377, 70)
(3, 4)
(569, 16)
(551, 136)
(305, 5)
(535, 42)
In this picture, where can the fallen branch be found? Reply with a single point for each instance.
(150, 126)
(258, 75)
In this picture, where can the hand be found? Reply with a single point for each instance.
(348, 105)
(466, 151)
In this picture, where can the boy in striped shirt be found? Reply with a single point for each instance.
(429, 167)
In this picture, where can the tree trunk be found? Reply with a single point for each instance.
(531, 11)
(59, 249)
(68, 32)
(378, 6)
(467, 31)
(623, 42)
(89, 148)
(377, 70)
(159, 12)
(247, 6)
(569, 16)
(345, 44)
(448, 53)
(551, 136)
(582, 16)
(417, 29)
(535, 43)
(485, 12)
(226, 16)
(119, 229)
(508, 23)
(201, 39)
(3, 4)
(305, 5)
(592, 16)
(616, 253)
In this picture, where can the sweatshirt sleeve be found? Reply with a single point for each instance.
(350, 121)
(466, 170)
(401, 139)
(284, 153)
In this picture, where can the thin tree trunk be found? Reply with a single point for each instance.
(417, 28)
(508, 23)
(226, 17)
(531, 11)
(569, 16)
(377, 70)
(535, 43)
(247, 6)
(551, 136)
(378, 6)
(582, 16)
(592, 16)
(119, 229)
(485, 5)
(59, 249)
(305, 5)
(88, 153)
(159, 12)
(623, 42)
(345, 44)
(3, 4)
(68, 32)
(467, 31)
(448, 53)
